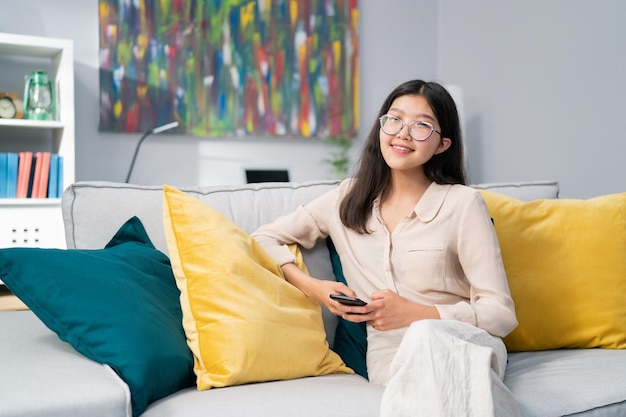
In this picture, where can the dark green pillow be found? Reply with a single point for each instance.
(350, 338)
(118, 306)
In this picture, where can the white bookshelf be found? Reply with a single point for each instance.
(26, 222)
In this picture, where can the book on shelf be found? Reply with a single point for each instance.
(4, 175)
(12, 174)
(24, 168)
(53, 178)
(59, 190)
(35, 175)
(8, 174)
(40, 187)
(31, 175)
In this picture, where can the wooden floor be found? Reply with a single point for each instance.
(9, 302)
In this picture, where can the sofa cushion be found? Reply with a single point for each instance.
(336, 395)
(45, 376)
(566, 265)
(350, 338)
(243, 321)
(568, 382)
(118, 306)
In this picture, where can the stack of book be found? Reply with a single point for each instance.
(31, 175)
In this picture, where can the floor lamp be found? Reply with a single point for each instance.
(156, 130)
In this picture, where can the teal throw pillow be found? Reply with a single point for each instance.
(118, 306)
(350, 338)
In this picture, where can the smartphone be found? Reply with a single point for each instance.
(349, 301)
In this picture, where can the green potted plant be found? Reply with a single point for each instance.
(339, 159)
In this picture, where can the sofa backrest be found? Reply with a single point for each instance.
(94, 211)
(525, 191)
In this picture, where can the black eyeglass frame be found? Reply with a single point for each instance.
(432, 128)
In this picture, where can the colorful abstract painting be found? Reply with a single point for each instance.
(227, 68)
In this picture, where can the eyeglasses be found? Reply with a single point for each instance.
(418, 130)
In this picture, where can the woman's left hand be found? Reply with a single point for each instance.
(389, 310)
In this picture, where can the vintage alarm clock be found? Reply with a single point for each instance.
(10, 106)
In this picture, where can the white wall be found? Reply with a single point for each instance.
(543, 86)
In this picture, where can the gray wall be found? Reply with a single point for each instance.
(544, 89)
(542, 84)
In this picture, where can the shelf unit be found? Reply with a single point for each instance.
(26, 222)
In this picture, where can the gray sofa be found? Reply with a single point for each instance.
(44, 376)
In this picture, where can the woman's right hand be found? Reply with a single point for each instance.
(326, 288)
(318, 289)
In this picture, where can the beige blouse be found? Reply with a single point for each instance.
(444, 253)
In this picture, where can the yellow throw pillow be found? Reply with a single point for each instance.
(243, 321)
(565, 261)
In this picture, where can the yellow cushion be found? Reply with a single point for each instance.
(243, 321)
(565, 261)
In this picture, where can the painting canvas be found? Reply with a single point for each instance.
(230, 68)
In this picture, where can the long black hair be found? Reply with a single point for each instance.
(374, 174)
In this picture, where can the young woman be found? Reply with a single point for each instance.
(419, 247)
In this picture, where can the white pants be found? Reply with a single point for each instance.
(447, 368)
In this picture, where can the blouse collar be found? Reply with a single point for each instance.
(431, 202)
(429, 205)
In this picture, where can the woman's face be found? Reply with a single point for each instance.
(400, 150)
